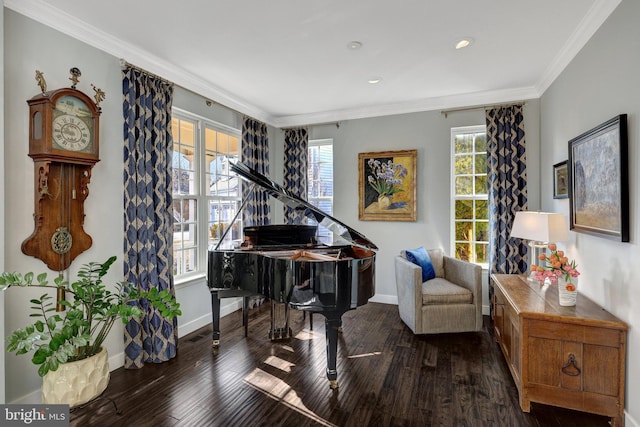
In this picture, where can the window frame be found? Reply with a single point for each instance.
(202, 197)
(318, 143)
(474, 129)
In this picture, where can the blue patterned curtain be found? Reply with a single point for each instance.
(255, 154)
(296, 142)
(148, 233)
(507, 175)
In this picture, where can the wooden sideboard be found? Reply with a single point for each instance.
(572, 357)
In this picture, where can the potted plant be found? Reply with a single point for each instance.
(58, 338)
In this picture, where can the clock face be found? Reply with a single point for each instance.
(72, 125)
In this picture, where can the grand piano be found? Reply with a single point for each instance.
(286, 264)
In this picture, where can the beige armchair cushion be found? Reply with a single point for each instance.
(442, 291)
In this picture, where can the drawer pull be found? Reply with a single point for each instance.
(566, 368)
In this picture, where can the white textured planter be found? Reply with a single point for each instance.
(78, 382)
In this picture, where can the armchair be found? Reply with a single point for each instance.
(450, 302)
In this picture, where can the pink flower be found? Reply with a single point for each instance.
(554, 266)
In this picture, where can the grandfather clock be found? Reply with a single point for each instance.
(64, 145)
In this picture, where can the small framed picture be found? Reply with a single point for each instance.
(560, 181)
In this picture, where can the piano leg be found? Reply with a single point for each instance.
(245, 315)
(279, 313)
(333, 323)
(215, 312)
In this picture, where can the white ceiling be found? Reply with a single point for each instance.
(286, 62)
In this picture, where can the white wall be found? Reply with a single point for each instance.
(600, 83)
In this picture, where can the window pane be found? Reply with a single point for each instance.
(185, 210)
(464, 143)
(326, 188)
(463, 230)
(463, 251)
(221, 213)
(190, 260)
(481, 142)
(482, 253)
(481, 163)
(482, 231)
(464, 165)
(482, 209)
(464, 185)
(464, 209)
(481, 184)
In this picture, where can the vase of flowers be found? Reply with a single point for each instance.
(386, 179)
(557, 268)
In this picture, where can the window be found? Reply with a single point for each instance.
(205, 196)
(320, 180)
(470, 203)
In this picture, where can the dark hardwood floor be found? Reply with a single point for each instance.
(386, 375)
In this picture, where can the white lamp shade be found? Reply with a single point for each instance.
(540, 227)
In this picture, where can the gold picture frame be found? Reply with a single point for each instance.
(387, 185)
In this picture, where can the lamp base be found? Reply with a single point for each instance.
(536, 248)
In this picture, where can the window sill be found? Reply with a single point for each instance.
(189, 280)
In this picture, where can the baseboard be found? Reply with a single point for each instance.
(486, 311)
(629, 421)
(227, 306)
(385, 299)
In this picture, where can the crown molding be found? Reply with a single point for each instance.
(59, 20)
(427, 104)
(595, 17)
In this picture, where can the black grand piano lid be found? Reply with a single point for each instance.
(338, 228)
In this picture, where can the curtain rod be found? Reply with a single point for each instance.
(125, 64)
(207, 101)
(337, 125)
(480, 107)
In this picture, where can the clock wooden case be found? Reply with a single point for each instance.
(64, 146)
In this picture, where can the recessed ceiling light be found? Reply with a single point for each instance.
(374, 80)
(465, 42)
(354, 45)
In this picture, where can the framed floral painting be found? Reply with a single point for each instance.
(387, 185)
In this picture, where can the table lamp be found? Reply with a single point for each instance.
(540, 229)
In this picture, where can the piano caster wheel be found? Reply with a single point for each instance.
(216, 343)
(333, 384)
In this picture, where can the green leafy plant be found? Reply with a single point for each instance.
(79, 331)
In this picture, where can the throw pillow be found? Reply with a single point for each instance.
(420, 257)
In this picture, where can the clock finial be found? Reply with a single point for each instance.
(41, 81)
(75, 74)
(99, 96)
